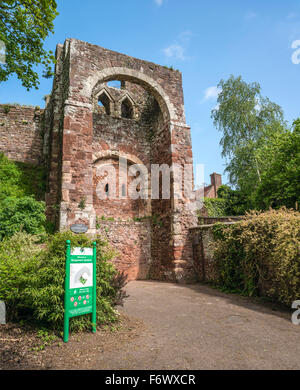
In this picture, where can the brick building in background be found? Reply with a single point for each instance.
(211, 191)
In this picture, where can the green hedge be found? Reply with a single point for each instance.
(260, 255)
(32, 280)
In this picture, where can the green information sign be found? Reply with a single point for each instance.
(80, 284)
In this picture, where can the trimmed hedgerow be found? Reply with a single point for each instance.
(260, 255)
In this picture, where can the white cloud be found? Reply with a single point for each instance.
(175, 51)
(158, 2)
(211, 93)
(179, 46)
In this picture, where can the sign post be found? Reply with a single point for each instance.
(80, 285)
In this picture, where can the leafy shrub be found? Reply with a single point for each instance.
(18, 257)
(21, 214)
(34, 287)
(10, 177)
(261, 255)
(19, 179)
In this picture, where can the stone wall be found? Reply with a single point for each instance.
(132, 242)
(153, 132)
(204, 220)
(21, 133)
(53, 138)
(115, 137)
(203, 248)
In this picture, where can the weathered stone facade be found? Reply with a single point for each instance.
(132, 241)
(21, 133)
(87, 125)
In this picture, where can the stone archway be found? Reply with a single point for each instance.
(122, 73)
(83, 68)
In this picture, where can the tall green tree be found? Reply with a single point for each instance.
(234, 201)
(246, 120)
(24, 25)
(280, 184)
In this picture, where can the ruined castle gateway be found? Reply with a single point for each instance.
(87, 124)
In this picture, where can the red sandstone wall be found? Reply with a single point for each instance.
(131, 240)
(126, 138)
(183, 217)
(116, 207)
(161, 230)
(87, 68)
(21, 137)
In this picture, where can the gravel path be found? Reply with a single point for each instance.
(196, 327)
(168, 326)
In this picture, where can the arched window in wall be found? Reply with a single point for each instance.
(104, 101)
(127, 109)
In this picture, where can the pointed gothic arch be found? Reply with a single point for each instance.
(126, 108)
(134, 76)
(105, 100)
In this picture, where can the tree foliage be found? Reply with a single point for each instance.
(234, 201)
(243, 114)
(24, 25)
(262, 153)
(280, 184)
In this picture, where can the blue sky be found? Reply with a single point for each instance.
(205, 40)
